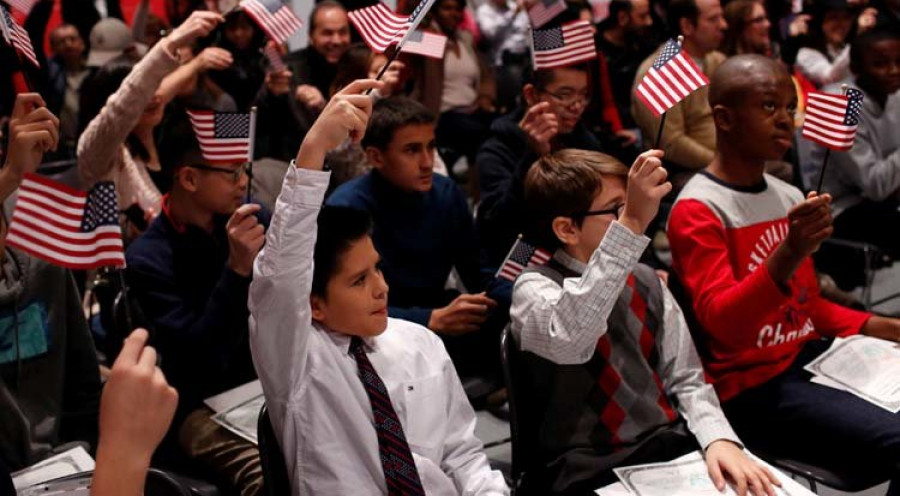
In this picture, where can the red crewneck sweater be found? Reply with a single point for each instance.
(721, 236)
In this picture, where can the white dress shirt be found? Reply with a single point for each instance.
(563, 324)
(318, 405)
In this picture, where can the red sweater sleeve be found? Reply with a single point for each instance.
(835, 320)
(610, 110)
(728, 309)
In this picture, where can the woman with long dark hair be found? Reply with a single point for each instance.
(825, 58)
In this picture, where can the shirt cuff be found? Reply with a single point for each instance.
(304, 186)
(623, 243)
(714, 431)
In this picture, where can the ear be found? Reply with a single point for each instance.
(375, 157)
(317, 305)
(187, 178)
(723, 118)
(566, 231)
(622, 18)
(686, 27)
(529, 91)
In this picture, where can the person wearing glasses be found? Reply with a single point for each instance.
(617, 378)
(190, 275)
(549, 119)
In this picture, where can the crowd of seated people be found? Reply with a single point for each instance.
(357, 264)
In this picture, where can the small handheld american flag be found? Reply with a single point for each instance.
(16, 37)
(521, 256)
(380, 27)
(22, 6)
(65, 226)
(832, 120)
(225, 137)
(274, 57)
(426, 44)
(562, 46)
(544, 11)
(670, 79)
(276, 18)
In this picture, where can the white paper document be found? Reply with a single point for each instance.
(74, 461)
(234, 397)
(685, 476)
(242, 419)
(864, 366)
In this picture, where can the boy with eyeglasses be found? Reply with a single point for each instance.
(190, 273)
(616, 379)
(550, 119)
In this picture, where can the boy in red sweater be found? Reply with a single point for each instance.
(741, 244)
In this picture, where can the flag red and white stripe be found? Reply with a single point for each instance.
(670, 79)
(379, 26)
(67, 227)
(545, 11)
(426, 44)
(568, 44)
(17, 37)
(276, 63)
(832, 120)
(23, 6)
(224, 137)
(521, 256)
(276, 18)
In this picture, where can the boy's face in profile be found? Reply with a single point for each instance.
(581, 242)
(763, 120)
(220, 188)
(881, 67)
(355, 301)
(407, 161)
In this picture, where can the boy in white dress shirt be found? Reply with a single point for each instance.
(361, 404)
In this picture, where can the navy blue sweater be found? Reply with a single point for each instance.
(420, 237)
(196, 307)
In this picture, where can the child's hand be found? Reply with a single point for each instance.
(463, 315)
(137, 403)
(345, 116)
(810, 225)
(197, 26)
(647, 185)
(33, 130)
(724, 458)
(245, 238)
(540, 125)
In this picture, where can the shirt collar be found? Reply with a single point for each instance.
(342, 341)
(179, 227)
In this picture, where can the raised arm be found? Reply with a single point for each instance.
(563, 325)
(280, 316)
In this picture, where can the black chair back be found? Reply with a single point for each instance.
(275, 477)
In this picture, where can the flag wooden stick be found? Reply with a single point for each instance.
(844, 88)
(129, 323)
(250, 155)
(391, 58)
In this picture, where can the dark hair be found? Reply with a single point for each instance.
(323, 5)
(256, 42)
(339, 228)
(681, 9)
(177, 143)
(816, 37)
(564, 184)
(863, 43)
(389, 115)
(616, 7)
(542, 78)
(353, 64)
(97, 91)
(736, 14)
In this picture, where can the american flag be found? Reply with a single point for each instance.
(224, 136)
(544, 11)
(23, 6)
(65, 226)
(522, 255)
(276, 18)
(17, 37)
(568, 44)
(274, 57)
(426, 44)
(380, 27)
(831, 120)
(670, 79)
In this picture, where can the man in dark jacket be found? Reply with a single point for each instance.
(556, 100)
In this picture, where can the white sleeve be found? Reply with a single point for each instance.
(564, 324)
(280, 316)
(816, 66)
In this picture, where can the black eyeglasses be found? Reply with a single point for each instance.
(615, 212)
(235, 174)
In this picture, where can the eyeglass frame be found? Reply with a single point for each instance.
(607, 211)
(235, 174)
(571, 100)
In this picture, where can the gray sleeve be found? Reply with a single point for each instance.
(876, 177)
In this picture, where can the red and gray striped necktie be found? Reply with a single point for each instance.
(396, 458)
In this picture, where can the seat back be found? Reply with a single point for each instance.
(524, 414)
(275, 477)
